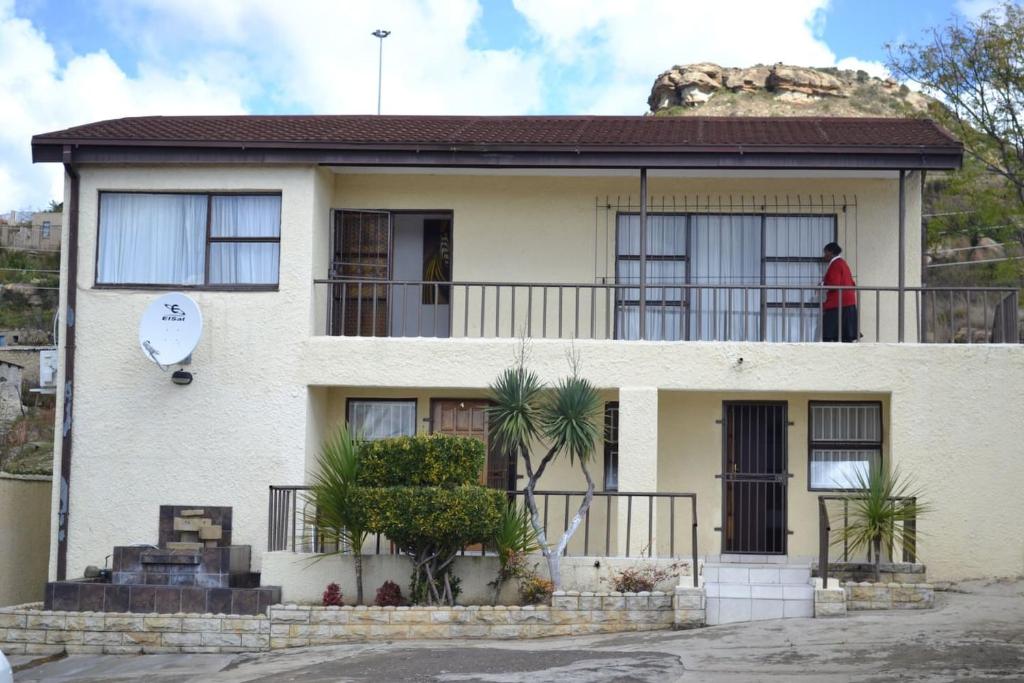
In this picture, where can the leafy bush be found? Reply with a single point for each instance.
(422, 460)
(535, 590)
(640, 578)
(448, 518)
(388, 595)
(422, 493)
(332, 596)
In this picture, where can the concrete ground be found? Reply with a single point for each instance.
(975, 632)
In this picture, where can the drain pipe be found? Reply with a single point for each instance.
(70, 298)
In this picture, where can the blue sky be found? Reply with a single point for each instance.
(64, 62)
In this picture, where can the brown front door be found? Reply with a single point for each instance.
(468, 417)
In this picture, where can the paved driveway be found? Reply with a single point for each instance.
(975, 633)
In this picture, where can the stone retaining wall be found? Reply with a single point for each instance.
(871, 596)
(27, 629)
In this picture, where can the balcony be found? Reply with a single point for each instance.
(669, 311)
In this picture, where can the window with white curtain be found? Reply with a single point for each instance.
(189, 239)
(370, 420)
(718, 255)
(845, 444)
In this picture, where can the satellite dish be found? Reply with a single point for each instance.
(170, 329)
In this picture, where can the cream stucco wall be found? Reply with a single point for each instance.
(24, 534)
(266, 390)
(139, 440)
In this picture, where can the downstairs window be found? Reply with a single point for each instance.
(845, 444)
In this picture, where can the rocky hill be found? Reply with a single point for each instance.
(708, 89)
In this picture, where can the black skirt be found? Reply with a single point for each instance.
(832, 331)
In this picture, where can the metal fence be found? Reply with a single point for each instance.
(671, 311)
(617, 524)
(834, 515)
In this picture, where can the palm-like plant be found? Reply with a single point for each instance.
(879, 511)
(563, 419)
(514, 539)
(333, 504)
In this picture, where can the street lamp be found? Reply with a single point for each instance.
(381, 34)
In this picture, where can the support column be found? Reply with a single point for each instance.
(902, 284)
(643, 253)
(638, 468)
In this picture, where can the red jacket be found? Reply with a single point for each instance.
(838, 273)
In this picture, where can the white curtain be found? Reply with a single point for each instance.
(245, 262)
(725, 250)
(151, 239)
(371, 420)
(795, 315)
(666, 237)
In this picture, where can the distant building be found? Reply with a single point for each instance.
(39, 231)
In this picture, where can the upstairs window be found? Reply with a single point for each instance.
(189, 240)
(46, 230)
(845, 444)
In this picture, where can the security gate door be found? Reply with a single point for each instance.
(754, 478)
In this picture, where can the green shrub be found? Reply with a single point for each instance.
(422, 460)
(411, 516)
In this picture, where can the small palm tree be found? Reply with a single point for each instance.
(563, 418)
(514, 539)
(879, 511)
(334, 506)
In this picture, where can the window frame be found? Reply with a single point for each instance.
(610, 447)
(843, 445)
(209, 239)
(360, 399)
(684, 301)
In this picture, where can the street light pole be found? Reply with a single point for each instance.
(381, 34)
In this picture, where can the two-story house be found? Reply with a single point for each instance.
(381, 271)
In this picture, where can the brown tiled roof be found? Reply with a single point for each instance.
(508, 132)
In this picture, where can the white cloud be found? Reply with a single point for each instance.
(975, 8)
(629, 43)
(43, 95)
(318, 55)
(876, 69)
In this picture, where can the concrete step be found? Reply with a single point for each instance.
(761, 574)
(760, 591)
(734, 610)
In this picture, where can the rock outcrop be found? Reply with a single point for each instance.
(781, 89)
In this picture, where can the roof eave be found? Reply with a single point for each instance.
(513, 156)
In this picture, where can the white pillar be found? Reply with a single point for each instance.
(638, 465)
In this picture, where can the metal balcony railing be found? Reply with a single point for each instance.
(664, 311)
(617, 524)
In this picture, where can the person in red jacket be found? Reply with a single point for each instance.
(839, 318)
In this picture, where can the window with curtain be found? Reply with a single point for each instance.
(611, 446)
(370, 420)
(666, 265)
(188, 239)
(845, 444)
(719, 255)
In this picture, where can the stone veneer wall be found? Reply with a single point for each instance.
(869, 596)
(28, 629)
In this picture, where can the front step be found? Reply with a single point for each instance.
(753, 592)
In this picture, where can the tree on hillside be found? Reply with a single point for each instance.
(976, 71)
(55, 206)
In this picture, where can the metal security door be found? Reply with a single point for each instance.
(755, 478)
(361, 262)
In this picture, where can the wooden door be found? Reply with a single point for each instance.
(468, 417)
(754, 478)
